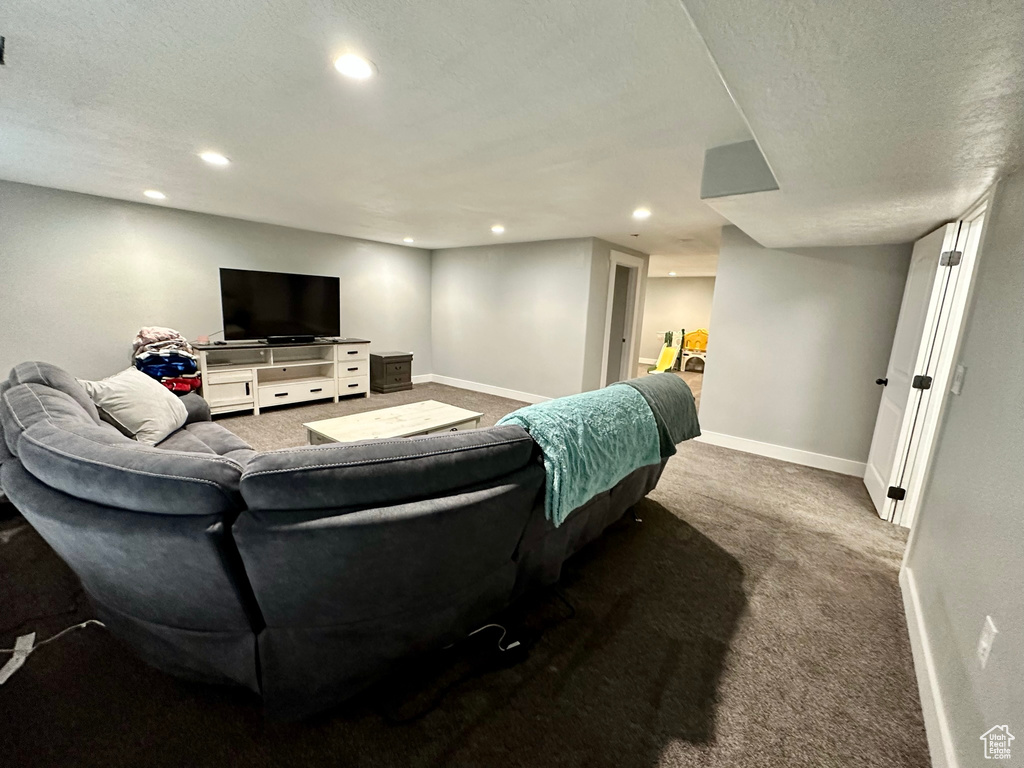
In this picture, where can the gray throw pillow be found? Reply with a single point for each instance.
(139, 405)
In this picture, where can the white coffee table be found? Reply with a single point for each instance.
(426, 418)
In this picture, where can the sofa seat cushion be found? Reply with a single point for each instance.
(217, 438)
(209, 438)
(186, 442)
(51, 376)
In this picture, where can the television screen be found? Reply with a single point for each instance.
(258, 305)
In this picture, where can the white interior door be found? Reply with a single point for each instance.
(936, 362)
(922, 298)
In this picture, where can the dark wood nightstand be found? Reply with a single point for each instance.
(390, 372)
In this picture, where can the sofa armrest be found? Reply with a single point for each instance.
(198, 409)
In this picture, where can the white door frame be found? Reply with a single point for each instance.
(634, 312)
(923, 434)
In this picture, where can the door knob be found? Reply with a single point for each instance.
(883, 382)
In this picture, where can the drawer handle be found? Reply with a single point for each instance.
(353, 385)
(318, 389)
(281, 394)
(355, 368)
(247, 393)
(353, 351)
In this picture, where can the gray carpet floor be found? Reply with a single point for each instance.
(694, 378)
(752, 619)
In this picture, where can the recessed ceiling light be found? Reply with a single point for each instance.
(408, 240)
(497, 229)
(671, 274)
(214, 158)
(642, 213)
(356, 67)
(152, 194)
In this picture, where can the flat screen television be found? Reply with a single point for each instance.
(269, 305)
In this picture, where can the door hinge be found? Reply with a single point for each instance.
(896, 493)
(950, 258)
(922, 382)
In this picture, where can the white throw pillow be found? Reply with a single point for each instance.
(140, 404)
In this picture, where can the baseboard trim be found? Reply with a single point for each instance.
(936, 724)
(792, 455)
(648, 361)
(475, 386)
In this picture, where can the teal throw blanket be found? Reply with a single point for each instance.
(590, 442)
(673, 406)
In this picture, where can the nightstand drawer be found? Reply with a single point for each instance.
(393, 368)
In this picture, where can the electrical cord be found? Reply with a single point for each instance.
(504, 632)
(77, 597)
(392, 716)
(60, 634)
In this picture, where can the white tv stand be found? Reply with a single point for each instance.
(243, 376)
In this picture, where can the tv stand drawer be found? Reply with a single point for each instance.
(347, 352)
(283, 393)
(358, 385)
(348, 369)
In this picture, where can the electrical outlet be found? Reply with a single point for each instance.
(988, 636)
(958, 380)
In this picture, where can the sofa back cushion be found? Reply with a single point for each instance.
(51, 376)
(5, 452)
(25, 405)
(60, 445)
(380, 472)
(97, 464)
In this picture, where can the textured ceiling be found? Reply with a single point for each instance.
(553, 117)
(880, 119)
(703, 265)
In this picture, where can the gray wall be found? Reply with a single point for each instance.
(79, 275)
(674, 303)
(513, 315)
(799, 337)
(967, 550)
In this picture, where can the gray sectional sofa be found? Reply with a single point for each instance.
(301, 574)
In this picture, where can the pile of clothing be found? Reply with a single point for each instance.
(166, 355)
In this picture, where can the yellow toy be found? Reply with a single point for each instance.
(695, 345)
(696, 341)
(665, 359)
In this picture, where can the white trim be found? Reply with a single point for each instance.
(488, 389)
(647, 361)
(792, 455)
(423, 378)
(940, 737)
